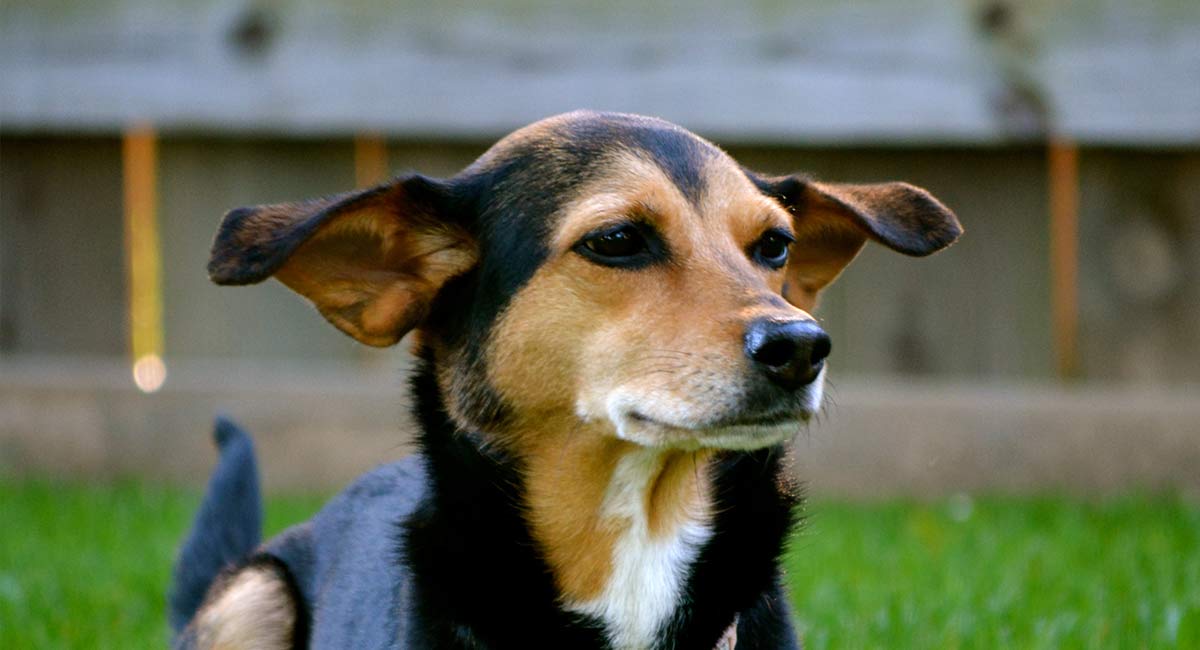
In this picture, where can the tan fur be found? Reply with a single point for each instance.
(728, 640)
(373, 273)
(569, 477)
(833, 228)
(546, 134)
(567, 480)
(593, 364)
(577, 330)
(371, 267)
(680, 490)
(249, 610)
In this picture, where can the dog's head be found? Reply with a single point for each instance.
(593, 268)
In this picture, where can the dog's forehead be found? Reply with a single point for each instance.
(517, 195)
(565, 152)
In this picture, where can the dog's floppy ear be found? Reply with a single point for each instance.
(834, 220)
(371, 261)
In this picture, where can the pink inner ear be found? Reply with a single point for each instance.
(370, 261)
(391, 310)
(376, 283)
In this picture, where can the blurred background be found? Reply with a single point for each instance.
(1058, 345)
(1055, 349)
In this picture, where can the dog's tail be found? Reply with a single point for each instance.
(227, 528)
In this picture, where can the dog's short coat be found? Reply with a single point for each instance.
(612, 322)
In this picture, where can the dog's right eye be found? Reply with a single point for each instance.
(624, 246)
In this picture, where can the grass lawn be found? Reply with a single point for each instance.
(87, 567)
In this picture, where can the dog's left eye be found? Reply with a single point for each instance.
(771, 250)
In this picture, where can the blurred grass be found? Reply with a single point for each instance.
(999, 573)
(87, 567)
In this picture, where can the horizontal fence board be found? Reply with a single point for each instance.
(319, 425)
(819, 71)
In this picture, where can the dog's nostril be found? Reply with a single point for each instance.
(777, 352)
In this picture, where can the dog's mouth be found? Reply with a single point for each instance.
(756, 420)
(747, 418)
(744, 431)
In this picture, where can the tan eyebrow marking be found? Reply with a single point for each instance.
(771, 220)
(635, 186)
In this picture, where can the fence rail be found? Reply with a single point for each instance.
(319, 426)
(928, 71)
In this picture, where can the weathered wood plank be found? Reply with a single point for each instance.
(767, 71)
(318, 426)
(62, 283)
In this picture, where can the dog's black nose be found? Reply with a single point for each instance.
(791, 353)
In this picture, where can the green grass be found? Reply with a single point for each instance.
(999, 573)
(87, 567)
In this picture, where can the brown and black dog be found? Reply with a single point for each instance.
(613, 322)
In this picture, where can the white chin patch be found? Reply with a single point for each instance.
(816, 392)
(649, 571)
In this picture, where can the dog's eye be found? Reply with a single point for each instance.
(625, 246)
(622, 242)
(772, 249)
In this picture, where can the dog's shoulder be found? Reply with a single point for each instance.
(348, 560)
(396, 487)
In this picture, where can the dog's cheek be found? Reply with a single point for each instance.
(638, 338)
(534, 352)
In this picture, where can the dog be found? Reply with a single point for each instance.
(612, 321)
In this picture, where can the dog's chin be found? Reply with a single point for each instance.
(750, 434)
(753, 421)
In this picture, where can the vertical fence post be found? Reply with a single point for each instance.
(1063, 179)
(143, 258)
(370, 168)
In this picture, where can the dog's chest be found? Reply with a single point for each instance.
(650, 566)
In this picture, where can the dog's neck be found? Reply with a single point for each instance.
(587, 541)
(620, 526)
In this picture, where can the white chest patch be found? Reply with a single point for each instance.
(648, 571)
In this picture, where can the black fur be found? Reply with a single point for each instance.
(737, 571)
(458, 566)
(902, 217)
(227, 527)
(240, 259)
(510, 206)
(678, 153)
(477, 572)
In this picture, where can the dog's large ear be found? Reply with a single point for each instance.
(834, 220)
(371, 261)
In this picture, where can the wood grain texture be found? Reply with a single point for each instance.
(770, 71)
